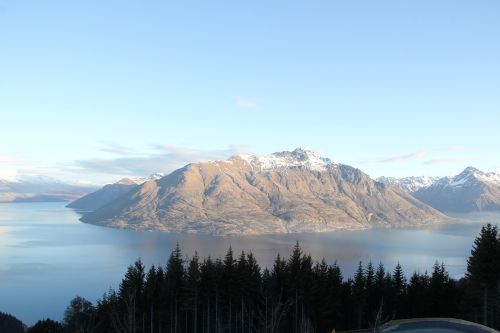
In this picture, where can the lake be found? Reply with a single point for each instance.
(47, 256)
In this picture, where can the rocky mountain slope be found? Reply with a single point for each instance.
(471, 190)
(284, 192)
(110, 192)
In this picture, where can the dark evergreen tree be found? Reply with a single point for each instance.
(359, 295)
(417, 296)
(80, 316)
(174, 281)
(294, 270)
(441, 293)
(193, 287)
(399, 292)
(230, 289)
(10, 324)
(483, 265)
(46, 326)
(152, 301)
(372, 303)
(209, 293)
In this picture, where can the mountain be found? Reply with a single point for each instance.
(110, 192)
(409, 184)
(285, 192)
(40, 189)
(471, 190)
(102, 196)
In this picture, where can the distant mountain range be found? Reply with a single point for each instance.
(409, 184)
(471, 190)
(296, 191)
(40, 188)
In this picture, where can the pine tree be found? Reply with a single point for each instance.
(483, 266)
(359, 294)
(80, 316)
(399, 280)
(380, 284)
(46, 326)
(399, 290)
(151, 295)
(174, 278)
(192, 286)
(372, 304)
(10, 324)
(294, 266)
(230, 286)
(441, 292)
(209, 290)
(417, 295)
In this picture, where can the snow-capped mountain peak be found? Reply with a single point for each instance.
(470, 190)
(472, 175)
(140, 180)
(299, 157)
(410, 184)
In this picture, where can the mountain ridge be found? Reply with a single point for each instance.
(110, 192)
(471, 190)
(284, 192)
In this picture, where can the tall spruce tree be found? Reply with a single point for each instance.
(359, 295)
(483, 265)
(192, 286)
(175, 278)
(399, 291)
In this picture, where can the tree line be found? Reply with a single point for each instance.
(234, 294)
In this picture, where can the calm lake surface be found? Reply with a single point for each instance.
(47, 256)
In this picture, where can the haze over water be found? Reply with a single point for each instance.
(47, 256)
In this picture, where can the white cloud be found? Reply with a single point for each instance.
(165, 158)
(114, 148)
(7, 159)
(245, 103)
(8, 169)
(451, 160)
(451, 149)
(418, 155)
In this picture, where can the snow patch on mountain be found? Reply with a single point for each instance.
(467, 178)
(471, 176)
(300, 157)
(410, 184)
(140, 180)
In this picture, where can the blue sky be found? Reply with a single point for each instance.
(93, 90)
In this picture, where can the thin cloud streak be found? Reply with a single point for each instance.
(166, 159)
(114, 148)
(8, 170)
(418, 155)
(7, 159)
(452, 160)
(451, 149)
(245, 103)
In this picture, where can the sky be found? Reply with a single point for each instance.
(94, 90)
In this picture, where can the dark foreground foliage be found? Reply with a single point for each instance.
(46, 326)
(10, 324)
(233, 294)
